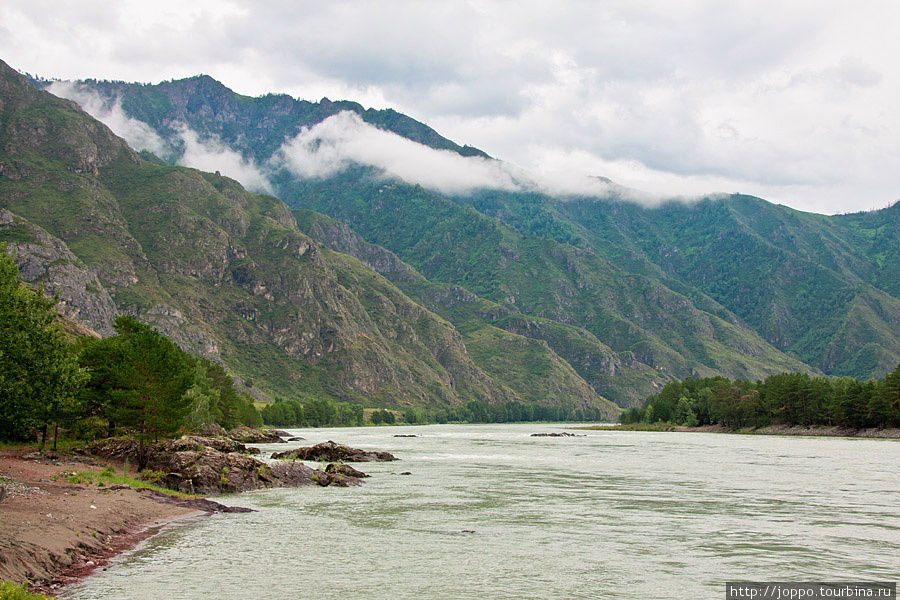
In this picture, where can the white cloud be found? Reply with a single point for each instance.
(794, 101)
(138, 134)
(344, 139)
(206, 154)
(211, 155)
(336, 142)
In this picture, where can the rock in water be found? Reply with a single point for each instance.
(249, 435)
(332, 452)
(342, 469)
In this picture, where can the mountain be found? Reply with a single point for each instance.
(823, 289)
(626, 296)
(225, 273)
(255, 127)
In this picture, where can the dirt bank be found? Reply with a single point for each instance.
(53, 532)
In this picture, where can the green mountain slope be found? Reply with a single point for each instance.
(227, 273)
(577, 297)
(519, 351)
(629, 296)
(817, 287)
(802, 281)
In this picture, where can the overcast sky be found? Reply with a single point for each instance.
(793, 101)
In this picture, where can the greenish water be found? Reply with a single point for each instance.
(490, 512)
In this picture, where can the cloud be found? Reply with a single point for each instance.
(138, 134)
(210, 154)
(188, 149)
(344, 139)
(782, 99)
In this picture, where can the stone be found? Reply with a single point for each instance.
(332, 452)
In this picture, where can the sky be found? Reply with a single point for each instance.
(796, 102)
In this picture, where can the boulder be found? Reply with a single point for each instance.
(249, 435)
(332, 452)
(342, 469)
(213, 430)
(197, 443)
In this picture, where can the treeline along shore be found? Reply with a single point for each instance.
(789, 403)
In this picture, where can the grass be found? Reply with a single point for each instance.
(63, 445)
(108, 477)
(15, 591)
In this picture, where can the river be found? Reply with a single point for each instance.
(490, 512)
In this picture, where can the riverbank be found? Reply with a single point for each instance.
(53, 532)
(796, 430)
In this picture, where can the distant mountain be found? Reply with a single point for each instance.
(225, 273)
(823, 289)
(624, 296)
(255, 127)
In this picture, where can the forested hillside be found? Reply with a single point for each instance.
(570, 296)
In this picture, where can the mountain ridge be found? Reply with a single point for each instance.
(601, 282)
(224, 272)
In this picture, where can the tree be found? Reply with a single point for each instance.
(150, 382)
(684, 413)
(884, 404)
(39, 373)
(203, 399)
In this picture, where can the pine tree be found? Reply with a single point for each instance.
(146, 385)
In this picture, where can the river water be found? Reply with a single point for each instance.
(490, 512)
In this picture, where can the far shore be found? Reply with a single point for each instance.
(796, 430)
(53, 533)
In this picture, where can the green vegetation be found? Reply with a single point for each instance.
(222, 272)
(313, 413)
(621, 332)
(108, 477)
(491, 297)
(138, 380)
(788, 399)
(39, 372)
(383, 416)
(13, 591)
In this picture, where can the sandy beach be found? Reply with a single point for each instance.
(53, 532)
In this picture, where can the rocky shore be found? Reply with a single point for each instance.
(215, 465)
(57, 526)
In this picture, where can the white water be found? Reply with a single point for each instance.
(490, 512)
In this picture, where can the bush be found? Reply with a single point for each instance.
(13, 591)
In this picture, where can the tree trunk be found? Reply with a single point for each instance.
(55, 436)
(142, 452)
(43, 437)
